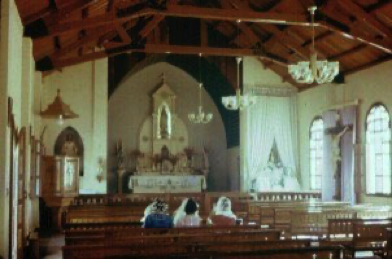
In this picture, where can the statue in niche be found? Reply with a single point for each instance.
(69, 175)
(69, 147)
(164, 124)
(120, 154)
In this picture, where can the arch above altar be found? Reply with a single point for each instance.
(163, 140)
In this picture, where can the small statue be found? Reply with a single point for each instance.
(120, 155)
(69, 147)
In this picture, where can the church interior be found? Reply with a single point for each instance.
(281, 106)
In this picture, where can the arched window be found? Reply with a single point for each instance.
(378, 151)
(316, 153)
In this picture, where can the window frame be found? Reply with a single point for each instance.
(310, 151)
(376, 104)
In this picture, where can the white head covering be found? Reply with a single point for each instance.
(180, 212)
(147, 212)
(223, 207)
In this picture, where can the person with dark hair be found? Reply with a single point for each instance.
(158, 218)
(191, 217)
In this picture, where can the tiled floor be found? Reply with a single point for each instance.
(50, 247)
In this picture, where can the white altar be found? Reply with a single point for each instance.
(167, 183)
(164, 161)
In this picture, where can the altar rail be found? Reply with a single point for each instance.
(287, 196)
(310, 218)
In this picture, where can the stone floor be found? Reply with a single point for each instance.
(50, 246)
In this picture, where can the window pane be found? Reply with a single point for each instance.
(378, 157)
(316, 153)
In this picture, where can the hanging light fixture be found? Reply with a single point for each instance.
(200, 117)
(238, 102)
(58, 110)
(319, 71)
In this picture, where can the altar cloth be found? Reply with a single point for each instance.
(167, 183)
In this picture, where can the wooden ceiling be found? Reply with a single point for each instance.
(357, 33)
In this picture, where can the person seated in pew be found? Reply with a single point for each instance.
(158, 218)
(191, 217)
(221, 214)
(180, 212)
(147, 212)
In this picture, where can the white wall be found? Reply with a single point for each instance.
(370, 86)
(83, 87)
(131, 104)
(17, 79)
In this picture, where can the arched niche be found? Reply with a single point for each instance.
(70, 132)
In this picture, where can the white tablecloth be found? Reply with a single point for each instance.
(167, 183)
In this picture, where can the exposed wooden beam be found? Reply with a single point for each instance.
(353, 33)
(287, 41)
(107, 35)
(348, 52)
(363, 16)
(185, 11)
(361, 38)
(320, 37)
(165, 48)
(58, 15)
(234, 15)
(144, 32)
(110, 19)
(81, 42)
(34, 17)
(123, 34)
(379, 6)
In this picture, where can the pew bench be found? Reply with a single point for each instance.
(195, 238)
(360, 234)
(155, 231)
(288, 248)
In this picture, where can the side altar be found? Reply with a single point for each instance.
(164, 161)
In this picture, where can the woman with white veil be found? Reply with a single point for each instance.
(221, 214)
(147, 212)
(180, 212)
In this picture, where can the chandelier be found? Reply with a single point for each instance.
(238, 102)
(319, 71)
(58, 110)
(200, 117)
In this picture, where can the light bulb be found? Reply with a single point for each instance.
(60, 120)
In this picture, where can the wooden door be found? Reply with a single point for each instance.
(12, 238)
(13, 184)
(17, 187)
(21, 191)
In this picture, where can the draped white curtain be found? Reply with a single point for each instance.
(259, 138)
(271, 118)
(284, 135)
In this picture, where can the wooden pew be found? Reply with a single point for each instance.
(185, 236)
(360, 234)
(389, 245)
(285, 253)
(288, 248)
(163, 231)
(370, 235)
(110, 226)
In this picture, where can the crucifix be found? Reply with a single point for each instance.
(337, 133)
